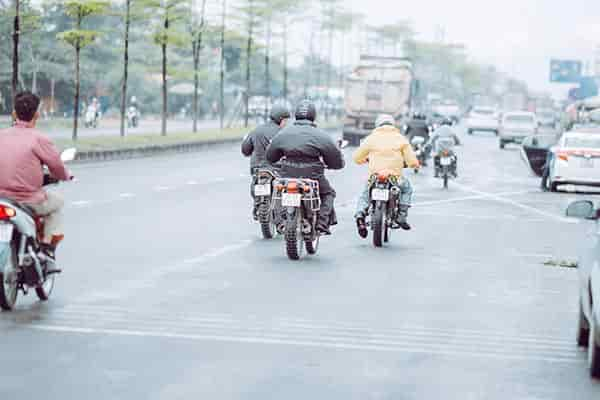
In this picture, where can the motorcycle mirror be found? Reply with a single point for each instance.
(68, 154)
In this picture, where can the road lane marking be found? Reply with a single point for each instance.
(126, 195)
(514, 203)
(400, 347)
(161, 188)
(80, 203)
(467, 198)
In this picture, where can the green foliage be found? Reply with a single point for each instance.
(78, 38)
(81, 9)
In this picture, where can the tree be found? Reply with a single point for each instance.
(222, 65)
(16, 33)
(127, 18)
(197, 29)
(168, 13)
(78, 38)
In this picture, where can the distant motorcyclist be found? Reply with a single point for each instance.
(23, 153)
(256, 142)
(417, 126)
(386, 149)
(439, 142)
(305, 151)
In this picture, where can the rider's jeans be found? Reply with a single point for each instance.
(406, 192)
(51, 210)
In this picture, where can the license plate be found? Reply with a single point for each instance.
(446, 161)
(291, 199)
(587, 163)
(6, 231)
(380, 194)
(262, 190)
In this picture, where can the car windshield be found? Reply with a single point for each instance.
(583, 142)
(519, 119)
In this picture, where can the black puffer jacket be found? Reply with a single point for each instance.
(305, 147)
(256, 142)
(417, 127)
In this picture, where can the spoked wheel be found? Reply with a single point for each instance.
(267, 224)
(378, 224)
(44, 290)
(294, 242)
(9, 286)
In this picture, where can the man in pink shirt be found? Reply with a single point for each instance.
(23, 153)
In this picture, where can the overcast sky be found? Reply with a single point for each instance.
(518, 36)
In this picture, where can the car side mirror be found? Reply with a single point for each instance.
(68, 154)
(583, 209)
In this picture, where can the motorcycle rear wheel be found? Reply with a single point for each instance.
(265, 217)
(446, 180)
(377, 221)
(9, 288)
(294, 242)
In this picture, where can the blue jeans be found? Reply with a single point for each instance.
(406, 192)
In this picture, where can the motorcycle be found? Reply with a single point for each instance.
(445, 169)
(384, 201)
(299, 199)
(266, 212)
(418, 144)
(22, 265)
(132, 117)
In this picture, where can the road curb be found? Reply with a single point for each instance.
(148, 151)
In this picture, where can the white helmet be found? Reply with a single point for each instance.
(384, 119)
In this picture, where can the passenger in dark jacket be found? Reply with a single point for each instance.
(256, 142)
(417, 126)
(305, 151)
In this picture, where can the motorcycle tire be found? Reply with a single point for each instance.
(594, 350)
(8, 290)
(293, 236)
(265, 217)
(44, 290)
(377, 222)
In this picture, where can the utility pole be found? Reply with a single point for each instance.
(222, 74)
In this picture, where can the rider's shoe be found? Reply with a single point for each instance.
(323, 231)
(48, 250)
(362, 227)
(402, 215)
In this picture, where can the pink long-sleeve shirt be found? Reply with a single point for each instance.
(23, 152)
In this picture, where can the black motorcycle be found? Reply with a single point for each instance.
(301, 203)
(384, 201)
(266, 212)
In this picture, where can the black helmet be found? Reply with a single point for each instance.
(447, 121)
(306, 111)
(279, 113)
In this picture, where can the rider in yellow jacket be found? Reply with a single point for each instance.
(388, 152)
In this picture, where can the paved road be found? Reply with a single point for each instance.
(169, 292)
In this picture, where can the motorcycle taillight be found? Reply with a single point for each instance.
(7, 212)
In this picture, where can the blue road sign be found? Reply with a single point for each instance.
(565, 71)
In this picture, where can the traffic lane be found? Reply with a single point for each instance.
(167, 369)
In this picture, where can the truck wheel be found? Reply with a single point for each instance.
(502, 144)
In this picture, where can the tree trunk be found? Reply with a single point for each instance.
(268, 69)
(125, 67)
(52, 98)
(329, 64)
(76, 105)
(248, 61)
(15, 60)
(197, 48)
(163, 128)
(222, 67)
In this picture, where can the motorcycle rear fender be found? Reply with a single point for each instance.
(4, 253)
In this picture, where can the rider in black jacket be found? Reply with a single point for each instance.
(256, 142)
(305, 151)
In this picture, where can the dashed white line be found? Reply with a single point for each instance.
(126, 195)
(80, 203)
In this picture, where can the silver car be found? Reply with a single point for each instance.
(575, 161)
(516, 126)
(588, 325)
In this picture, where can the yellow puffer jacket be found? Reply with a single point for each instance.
(387, 150)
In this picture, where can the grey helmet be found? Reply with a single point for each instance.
(306, 110)
(279, 113)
